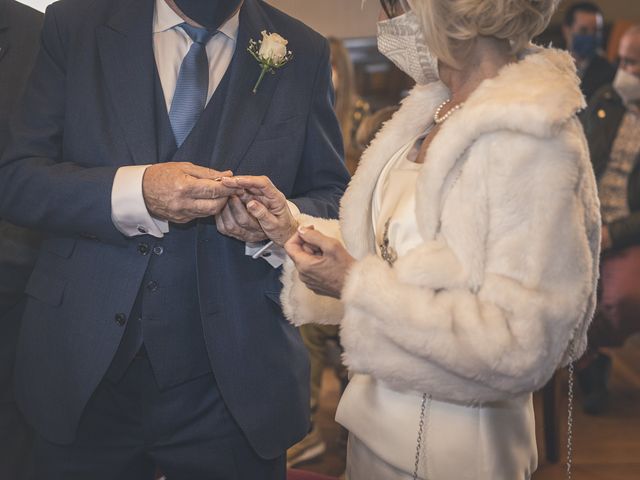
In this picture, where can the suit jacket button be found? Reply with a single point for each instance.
(143, 248)
(158, 250)
(121, 319)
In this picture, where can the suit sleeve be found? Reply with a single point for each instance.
(38, 188)
(322, 177)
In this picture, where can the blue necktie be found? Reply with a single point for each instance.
(192, 87)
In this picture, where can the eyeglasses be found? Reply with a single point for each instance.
(626, 62)
(392, 8)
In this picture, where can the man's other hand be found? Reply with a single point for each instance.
(181, 192)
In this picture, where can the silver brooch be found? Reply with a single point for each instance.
(388, 253)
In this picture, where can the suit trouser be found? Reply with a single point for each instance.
(130, 428)
(16, 436)
(16, 441)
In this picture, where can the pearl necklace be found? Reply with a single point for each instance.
(436, 116)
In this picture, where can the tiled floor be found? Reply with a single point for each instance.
(606, 447)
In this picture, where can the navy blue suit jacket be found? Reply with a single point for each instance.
(88, 110)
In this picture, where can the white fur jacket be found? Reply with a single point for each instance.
(502, 290)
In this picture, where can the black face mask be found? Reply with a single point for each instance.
(209, 13)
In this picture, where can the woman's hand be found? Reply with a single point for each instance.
(266, 204)
(322, 262)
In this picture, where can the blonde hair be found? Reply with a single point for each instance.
(451, 26)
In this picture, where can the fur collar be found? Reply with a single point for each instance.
(535, 96)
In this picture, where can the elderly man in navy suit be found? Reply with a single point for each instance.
(150, 338)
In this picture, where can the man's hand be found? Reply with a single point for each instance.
(267, 205)
(235, 221)
(181, 192)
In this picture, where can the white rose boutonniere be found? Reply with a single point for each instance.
(271, 53)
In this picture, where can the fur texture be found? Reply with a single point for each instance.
(502, 290)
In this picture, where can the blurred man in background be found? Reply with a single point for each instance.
(19, 33)
(583, 31)
(612, 124)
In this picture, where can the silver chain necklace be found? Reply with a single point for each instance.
(425, 408)
(571, 369)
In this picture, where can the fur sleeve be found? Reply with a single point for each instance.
(536, 295)
(301, 305)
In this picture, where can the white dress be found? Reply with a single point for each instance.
(490, 442)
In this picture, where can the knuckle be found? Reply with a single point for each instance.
(180, 187)
(174, 205)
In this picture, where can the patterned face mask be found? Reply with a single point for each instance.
(401, 40)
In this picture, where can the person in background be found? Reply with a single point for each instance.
(19, 33)
(350, 108)
(612, 126)
(583, 31)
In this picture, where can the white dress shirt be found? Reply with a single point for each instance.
(170, 45)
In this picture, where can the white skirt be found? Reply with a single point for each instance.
(490, 442)
(363, 464)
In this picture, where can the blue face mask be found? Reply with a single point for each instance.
(585, 46)
(208, 13)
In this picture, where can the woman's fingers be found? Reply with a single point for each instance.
(316, 239)
(295, 249)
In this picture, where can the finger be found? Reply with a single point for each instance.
(201, 188)
(294, 246)
(245, 197)
(220, 224)
(311, 250)
(316, 239)
(241, 215)
(226, 223)
(262, 184)
(230, 182)
(204, 172)
(201, 208)
(300, 258)
(261, 213)
(229, 220)
(307, 247)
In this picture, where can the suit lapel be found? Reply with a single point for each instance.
(125, 44)
(243, 111)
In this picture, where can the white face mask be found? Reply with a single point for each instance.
(627, 86)
(401, 40)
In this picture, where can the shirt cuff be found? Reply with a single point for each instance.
(270, 252)
(128, 210)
